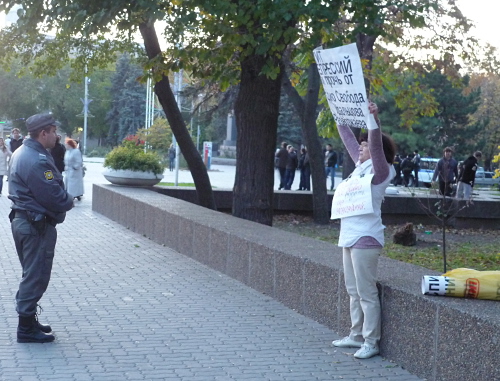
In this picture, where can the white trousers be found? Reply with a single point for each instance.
(360, 273)
(464, 190)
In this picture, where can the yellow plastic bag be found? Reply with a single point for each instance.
(464, 283)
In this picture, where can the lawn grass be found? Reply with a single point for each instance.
(179, 184)
(458, 255)
(476, 254)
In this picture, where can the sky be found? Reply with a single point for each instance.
(484, 14)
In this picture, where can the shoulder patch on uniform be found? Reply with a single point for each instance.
(49, 175)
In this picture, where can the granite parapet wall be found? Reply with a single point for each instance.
(437, 338)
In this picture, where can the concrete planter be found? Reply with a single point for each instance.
(131, 178)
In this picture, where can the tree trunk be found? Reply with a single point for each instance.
(174, 117)
(256, 109)
(365, 44)
(306, 108)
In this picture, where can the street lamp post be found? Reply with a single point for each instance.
(85, 112)
(178, 87)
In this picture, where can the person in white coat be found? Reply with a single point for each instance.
(73, 170)
(5, 154)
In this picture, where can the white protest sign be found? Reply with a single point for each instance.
(342, 77)
(353, 197)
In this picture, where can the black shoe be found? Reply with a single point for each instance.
(28, 331)
(43, 327)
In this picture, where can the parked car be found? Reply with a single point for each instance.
(427, 167)
(484, 178)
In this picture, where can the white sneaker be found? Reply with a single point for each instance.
(366, 351)
(347, 342)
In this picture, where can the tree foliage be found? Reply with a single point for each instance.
(92, 33)
(496, 159)
(158, 136)
(244, 42)
(127, 113)
(416, 38)
(487, 116)
(449, 125)
(23, 96)
(16, 97)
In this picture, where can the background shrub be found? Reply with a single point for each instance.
(135, 159)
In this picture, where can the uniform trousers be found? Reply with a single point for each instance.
(36, 253)
(360, 274)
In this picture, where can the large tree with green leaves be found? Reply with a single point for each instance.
(487, 115)
(242, 41)
(91, 33)
(416, 36)
(23, 96)
(360, 22)
(16, 97)
(63, 98)
(449, 124)
(127, 113)
(98, 89)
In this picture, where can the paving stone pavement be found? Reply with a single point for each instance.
(125, 308)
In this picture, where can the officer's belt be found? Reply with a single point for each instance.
(24, 215)
(21, 214)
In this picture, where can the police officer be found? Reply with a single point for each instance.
(39, 202)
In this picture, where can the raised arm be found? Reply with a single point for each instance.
(380, 165)
(349, 141)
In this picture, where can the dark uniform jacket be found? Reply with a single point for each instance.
(35, 184)
(407, 165)
(397, 164)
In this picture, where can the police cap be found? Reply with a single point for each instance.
(38, 121)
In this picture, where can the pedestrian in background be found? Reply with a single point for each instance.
(446, 172)
(58, 154)
(416, 167)
(15, 140)
(281, 157)
(407, 167)
(330, 163)
(39, 203)
(171, 157)
(362, 238)
(467, 176)
(397, 167)
(73, 170)
(291, 166)
(5, 154)
(305, 170)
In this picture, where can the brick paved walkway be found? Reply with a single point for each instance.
(125, 308)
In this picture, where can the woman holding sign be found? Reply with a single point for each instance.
(357, 202)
